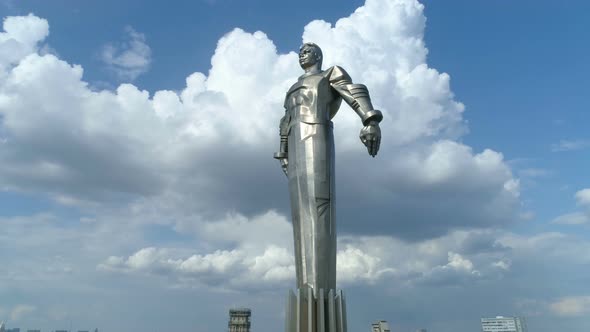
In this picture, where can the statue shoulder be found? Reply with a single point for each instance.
(337, 75)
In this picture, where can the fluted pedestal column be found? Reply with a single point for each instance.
(319, 311)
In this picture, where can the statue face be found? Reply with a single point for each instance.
(308, 56)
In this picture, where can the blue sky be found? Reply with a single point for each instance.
(527, 61)
(137, 188)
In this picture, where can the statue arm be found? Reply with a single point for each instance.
(357, 96)
(282, 155)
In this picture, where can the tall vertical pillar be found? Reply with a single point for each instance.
(315, 311)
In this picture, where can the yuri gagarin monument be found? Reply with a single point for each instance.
(306, 155)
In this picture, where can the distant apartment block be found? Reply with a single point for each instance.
(33, 330)
(503, 324)
(14, 329)
(239, 320)
(421, 330)
(380, 326)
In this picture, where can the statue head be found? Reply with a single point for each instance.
(309, 55)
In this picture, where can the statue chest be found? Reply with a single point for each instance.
(309, 98)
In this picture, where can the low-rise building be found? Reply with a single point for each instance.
(503, 324)
(380, 326)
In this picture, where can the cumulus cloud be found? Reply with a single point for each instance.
(129, 58)
(21, 37)
(422, 215)
(270, 228)
(390, 57)
(355, 265)
(225, 268)
(435, 269)
(198, 153)
(571, 306)
(458, 258)
(458, 270)
(582, 198)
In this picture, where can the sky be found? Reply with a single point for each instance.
(138, 189)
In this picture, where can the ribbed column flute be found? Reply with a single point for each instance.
(321, 311)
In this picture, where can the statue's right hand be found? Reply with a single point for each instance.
(371, 137)
(284, 164)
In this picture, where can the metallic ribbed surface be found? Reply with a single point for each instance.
(321, 311)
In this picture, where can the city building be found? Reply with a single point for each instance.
(503, 324)
(239, 320)
(14, 329)
(421, 330)
(1, 326)
(380, 326)
(33, 330)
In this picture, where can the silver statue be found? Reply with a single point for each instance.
(306, 155)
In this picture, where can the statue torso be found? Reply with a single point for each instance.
(311, 99)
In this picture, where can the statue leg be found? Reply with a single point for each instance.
(311, 186)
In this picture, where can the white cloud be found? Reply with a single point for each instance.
(502, 264)
(228, 268)
(198, 161)
(354, 265)
(571, 306)
(381, 45)
(130, 58)
(457, 262)
(570, 145)
(270, 228)
(583, 197)
(258, 255)
(20, 37)
(20, 311)
(201, 151)
(217, 265)
(575, 218)
(361, 260)
(448, 163)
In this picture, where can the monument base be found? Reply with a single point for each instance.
(315, 311)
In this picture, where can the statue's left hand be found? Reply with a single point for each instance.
(371, 137)
(284, 165)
